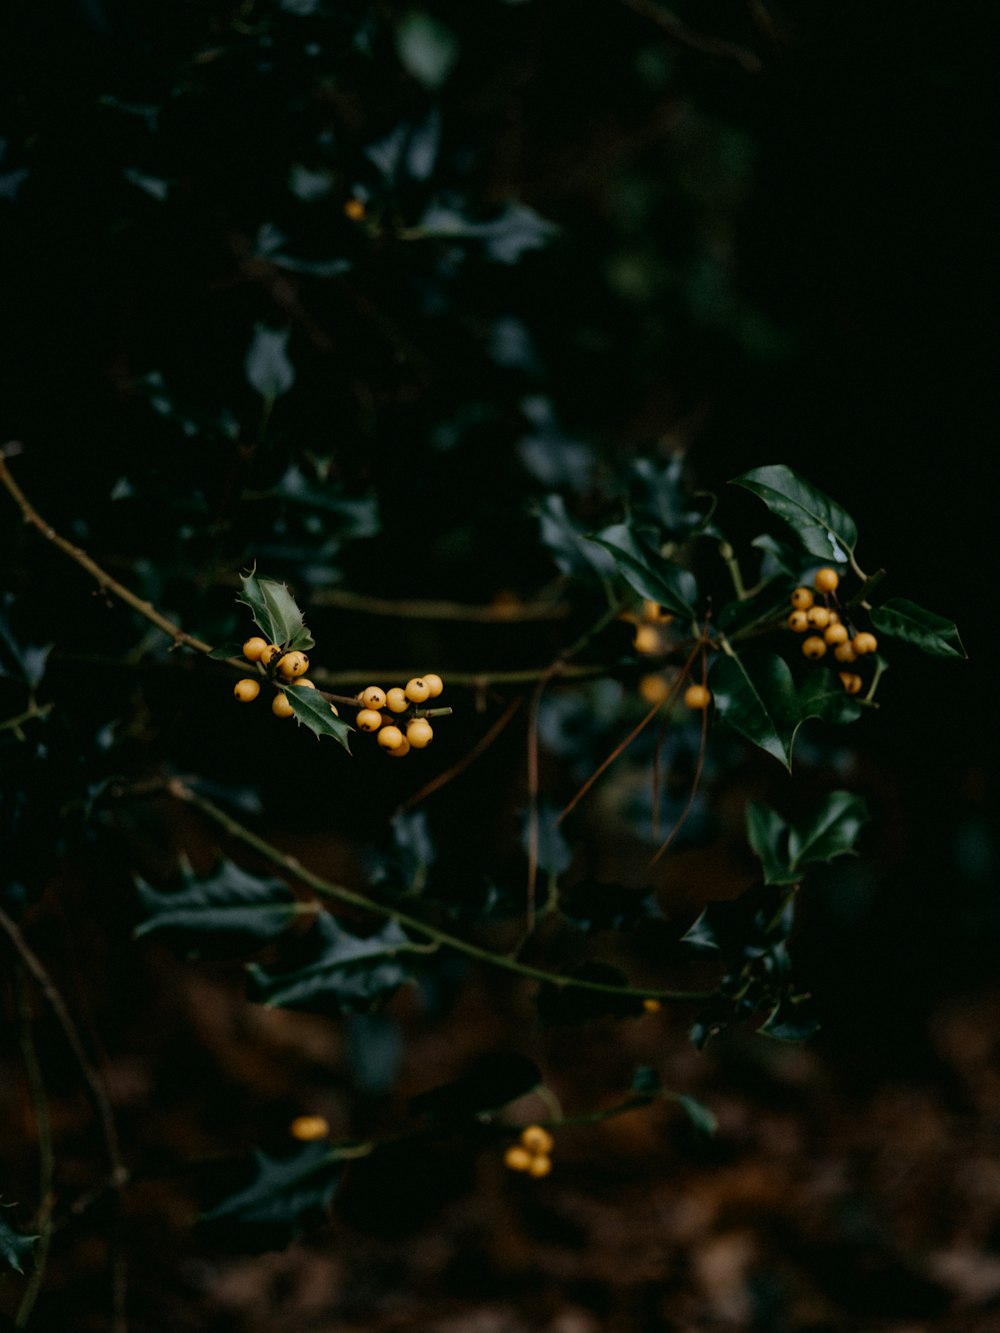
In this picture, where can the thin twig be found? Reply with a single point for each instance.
(703, 744)
(698, 41)
(428, 609)
(456, 769)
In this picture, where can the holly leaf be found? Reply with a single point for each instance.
(822, 526)
(275, 612)
(228, 912)
(697, 1112)
(832, 830)
(313, 711)
(768, 835)
(644, 569)
(333, 970)
(268, 369)
(901, 619)
(15, 1246)
(755, 694)
(284, 1198)
(571, 551)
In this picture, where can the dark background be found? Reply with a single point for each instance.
(782, 252)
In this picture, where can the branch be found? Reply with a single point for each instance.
(698, 41)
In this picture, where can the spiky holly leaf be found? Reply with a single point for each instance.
(275, 611)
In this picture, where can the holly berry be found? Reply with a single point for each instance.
(268, 653)
(307, 683)
(652, 611)
(844, 652)
(814, 647)
(697, 697)
(540, 1167)
(420, 733)
(417, 690)
(826, 580)
(536, 1139)
(368, 720)
(798, 621)
(309, 1128)
(653, 689)
(850, 682)
(434, 683)
(246, 690)
(401, 749)
(373, 697)
(253, 648)
(802, 599)
(293, 665)
(651, 1006)
(517, 1158)
(354, 209)
(646, 640)
(835, 634)
(818, 616)
(396, 701)
(865, 643)
(390, 738)
(281, 706)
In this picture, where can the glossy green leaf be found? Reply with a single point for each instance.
(226, 650)
(755, 694)
(900, 619)
(15, 1248)
(768, 835)
(650, 574)
(832, 830)
(821, 525)
(313, 711)
(697, 1112)
(332, 970)
(786, 1022)
(285, 1196)
(822, 696)
(493, 1081)
(274, 611)
(229, 911)
(769, 606)
(572, 552)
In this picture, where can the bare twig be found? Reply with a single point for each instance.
(678, 31)
(456, 769)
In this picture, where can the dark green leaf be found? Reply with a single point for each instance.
(768, 835)
(697, 1112)
(226, 650)
(831, 831)
(274, 611)
(755, 694)
(780, 557)
(821, 525)
(822, 696)
(15, 1247)
(316, 713)
(492, 1082)
(268, 369)
(644, 569)
(505, 238)
(285, 1196)
(788, 1023)
(228, 912)
(646, 1079)
(331, 970)
(597, 905)
(770, 605)
(905, 620)
(572, 552)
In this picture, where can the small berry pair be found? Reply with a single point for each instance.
(531, 1153)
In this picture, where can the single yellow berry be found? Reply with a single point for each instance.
(818, 617)
(653, 612)
(309, 1128)
(396, 701)
(652, 1006)
(814, 647)
(517, 1158)
(355, 210)
(834, 617)
(293, 665)
(540, 1167)
(653, 689)
(368, 720)
(434, 683)
(647, 640)
(697, 696)
(373, 697)
(401, 749)
(253, 648)
(865, 643)
(420, 733)
(798, 621)
(390, 738)
(417, 690)
(268, 653)
(536, 1139)
(802, 599)
(307, 683)
(844, 652)
(826, 579)
(835, 634)
(850, 682)
(281, 706)
(246, 690)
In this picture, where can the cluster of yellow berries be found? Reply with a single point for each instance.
(290, 666)
(389, 724)
(531, 1153)
(650, 637)
(808, 614)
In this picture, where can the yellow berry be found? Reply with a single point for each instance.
(536, 1139)
(355, 210)
(417, 690)
(253, 648)
(802, 599)
(653, 612)
(652, 1006)
(373, 697)
(850, 682)
(368, 720)
(798, 621)
(434, 683)
(826, 580)
(540, 1166)
(396, 701)
(293, 664)
(653, 689)
(835, 634)
(246, 690)
(281, 706)
(268, 653)
(390, 738)
(309, 1128)
(517, 1158)
(844, 652)
(818, 617)
(647, 640)
(697, 696)
(420, 733)
(401, 749)
(814, 647)
(865, 643)
(834, 617)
